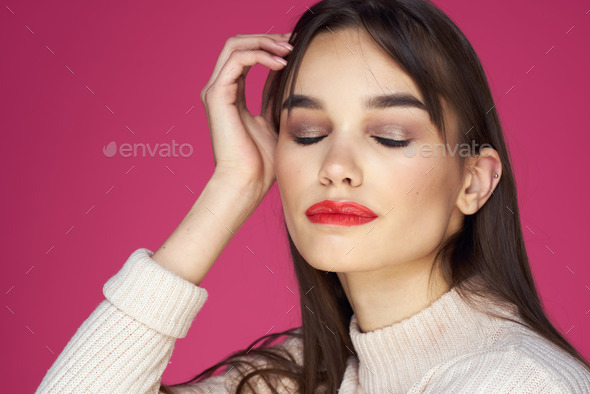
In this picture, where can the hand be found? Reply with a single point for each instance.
(243, 144)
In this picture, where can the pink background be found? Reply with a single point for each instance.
(71, 216)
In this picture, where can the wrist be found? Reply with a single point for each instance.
(246, 194)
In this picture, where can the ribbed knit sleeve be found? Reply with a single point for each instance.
(126, 343)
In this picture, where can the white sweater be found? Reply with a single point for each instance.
(126, 343)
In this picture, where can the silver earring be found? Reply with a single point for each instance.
(495, 175)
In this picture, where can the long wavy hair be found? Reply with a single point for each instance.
(432, 50)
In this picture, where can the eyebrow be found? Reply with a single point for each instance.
(372, 102)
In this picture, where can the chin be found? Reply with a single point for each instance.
(340, 264)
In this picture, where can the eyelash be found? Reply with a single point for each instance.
(383, 141)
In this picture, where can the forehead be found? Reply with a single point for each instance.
(348, 62)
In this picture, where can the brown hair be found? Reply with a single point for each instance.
(432, 50)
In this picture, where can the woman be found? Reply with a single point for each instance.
(412, 270)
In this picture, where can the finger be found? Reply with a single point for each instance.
(247, 43)
(225, 88)
(250, 43)
(241, 94)
(276, 36)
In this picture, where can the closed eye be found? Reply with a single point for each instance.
(383, 141)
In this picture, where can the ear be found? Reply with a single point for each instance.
(479, 181)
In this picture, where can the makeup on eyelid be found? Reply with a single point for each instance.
(388, 131)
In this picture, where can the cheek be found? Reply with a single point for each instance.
(422, 195)
(411, 181)
(290, 175)
(287, 166)
(433, 180)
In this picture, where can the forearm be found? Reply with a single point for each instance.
(221, 209)
(126, 343)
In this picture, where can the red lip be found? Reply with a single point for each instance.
(344, 213)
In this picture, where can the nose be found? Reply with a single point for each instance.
(341, 164)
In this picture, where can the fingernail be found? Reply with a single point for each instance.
(286, 45)
(280, 60)
(287, 34)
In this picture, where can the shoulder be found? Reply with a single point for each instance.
(292, 346)
(520, 361)
(234, 372)
(289, 349)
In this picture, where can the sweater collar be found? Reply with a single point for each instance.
(393, 358)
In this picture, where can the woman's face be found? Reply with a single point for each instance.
(413, 195)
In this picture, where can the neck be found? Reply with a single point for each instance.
(389, 295)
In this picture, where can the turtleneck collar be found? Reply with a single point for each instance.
(393, 358)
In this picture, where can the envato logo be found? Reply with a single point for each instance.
(429, 150)
(162, 150)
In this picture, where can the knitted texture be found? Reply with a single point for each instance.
(125, 344)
